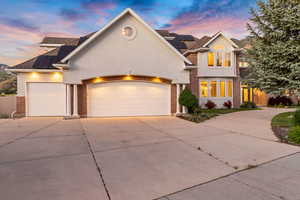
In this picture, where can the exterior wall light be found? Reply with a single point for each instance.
(98, 80)
(128, 78)
(157, 80)
(56, 76)
(34, 75)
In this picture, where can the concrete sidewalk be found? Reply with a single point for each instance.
(277, 180)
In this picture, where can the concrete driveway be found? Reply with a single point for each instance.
(129, 158)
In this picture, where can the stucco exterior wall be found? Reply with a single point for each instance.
(23, 78)
(113, 54)
(217, 71)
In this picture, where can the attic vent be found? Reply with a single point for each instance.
(129, 32)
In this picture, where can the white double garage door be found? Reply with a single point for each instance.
(103, 100)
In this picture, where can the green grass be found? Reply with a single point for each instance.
(283, 119)
(206, 114)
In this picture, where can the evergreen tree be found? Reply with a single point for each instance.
(274, 56)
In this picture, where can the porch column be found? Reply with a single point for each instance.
(183, 107)
(75, 101)
(177, 101)
(69, 100)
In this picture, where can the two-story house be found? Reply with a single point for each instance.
(127, 69)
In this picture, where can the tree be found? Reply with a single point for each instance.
(274, 56)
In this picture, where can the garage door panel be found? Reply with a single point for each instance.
(46, 99)
(128, 99)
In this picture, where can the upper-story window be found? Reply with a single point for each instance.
(227, 62)
(219, 57)
(210, 59)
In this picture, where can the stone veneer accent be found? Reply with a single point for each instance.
(21, 106)
(173, 98)
(82, 100)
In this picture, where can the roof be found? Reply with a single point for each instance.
(180, 43)
(46, 61)
(59, 40)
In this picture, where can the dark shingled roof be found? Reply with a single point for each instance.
(63, 41)
(46, 60)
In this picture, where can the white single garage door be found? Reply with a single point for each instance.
(46, 99)
(128, 99)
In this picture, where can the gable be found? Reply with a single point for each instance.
(113, 54)
(221, 43)
(133, 14)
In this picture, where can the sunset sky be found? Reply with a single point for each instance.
(23, 23)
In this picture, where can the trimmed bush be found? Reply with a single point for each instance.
(227, 104)
(294, 135)
(280, 101)
(248, 105)
(188, 100)
(210, 104)
(297, 117)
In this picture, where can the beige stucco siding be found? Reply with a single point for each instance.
(23, 78)
(112, 54)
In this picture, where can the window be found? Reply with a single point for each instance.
(213, 88)
(222, 88)
(229, 85)
(243, 64)
(219, 59)
(204, 89)
(210, 59)
(227, 60)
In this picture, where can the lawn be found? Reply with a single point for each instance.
(283, 119)
(205, 114)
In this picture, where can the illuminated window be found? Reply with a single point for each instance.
(213, 88)
(210, 58)
(204, 89)
(229, 85)
(222, 88)
(227, 60)
(243, 64)
(219, 59)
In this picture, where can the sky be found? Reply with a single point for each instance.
(23, 23)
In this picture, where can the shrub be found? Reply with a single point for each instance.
(197, 110)
(297, 117)
(294, 135)
(280, 101)
(248, 105)
(210, 104)
(4, 116)
(188, 100)
(227, 104)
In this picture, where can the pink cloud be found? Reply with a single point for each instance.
(233, 27)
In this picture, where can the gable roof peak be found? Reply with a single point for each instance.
(126, 11)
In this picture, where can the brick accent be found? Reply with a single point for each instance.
(194, 82)
(193, 58)
(173, 98)
(82, 100)
(21, 106)
(236, 93)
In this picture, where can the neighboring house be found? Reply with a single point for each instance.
(127, 69)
